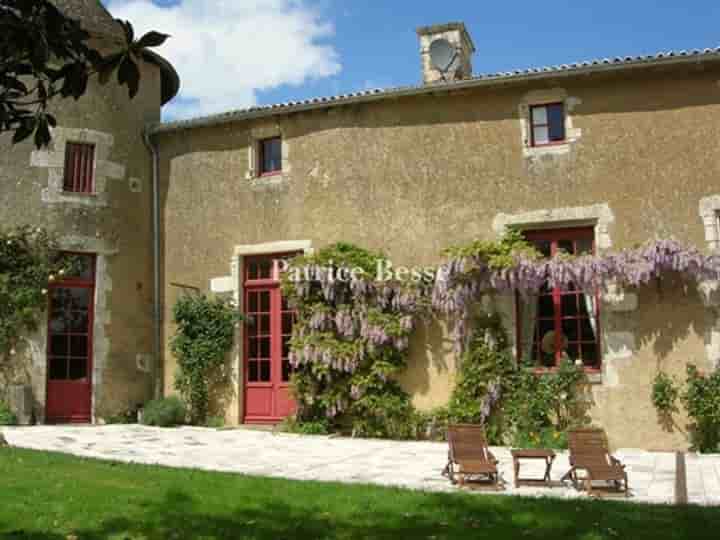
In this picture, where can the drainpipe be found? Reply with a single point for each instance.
(157, 313)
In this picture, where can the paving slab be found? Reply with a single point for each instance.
(410, 464)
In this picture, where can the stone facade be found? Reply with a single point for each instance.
(410, 173)
(114, 223)
(414, 174)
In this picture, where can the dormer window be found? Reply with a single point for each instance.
(79, 168)
(547, 124)
(270, 156)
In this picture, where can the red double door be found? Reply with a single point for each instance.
(268, 329)
(69, 346)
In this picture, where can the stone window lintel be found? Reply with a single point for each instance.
(710, 216)
(544, 97)
(53, 159)
(255, 135)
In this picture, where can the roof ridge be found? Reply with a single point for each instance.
(580, 66)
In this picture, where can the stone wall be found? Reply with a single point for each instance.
(115, 223)
(414, 175)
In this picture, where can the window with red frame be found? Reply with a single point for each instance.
(270, 156)
(559, 323)
(547, 124)
(79, 168)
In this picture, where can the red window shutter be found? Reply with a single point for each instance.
(79, 166)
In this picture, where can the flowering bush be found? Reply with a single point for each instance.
(352, 336)
(513, 265)
(28, 261)
(350, 341)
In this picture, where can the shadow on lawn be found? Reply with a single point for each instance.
(438, 516)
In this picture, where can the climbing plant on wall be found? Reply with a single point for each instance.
(352, 336)
(29, 260)
(351, 340)
(513, 265)
(204, 336)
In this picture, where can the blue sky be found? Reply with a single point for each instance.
(265, 51)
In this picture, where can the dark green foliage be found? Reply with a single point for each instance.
(204, 336)
(702, 401)
(215, 422)
(665, 393)
(701, 398)
(165, 412)
(28, 262)
(541, 405)
(546, 437)
(44, 55)
(312, 427)
(486, 360)
(498, 254)
(384, 410)
(516, 405)
(7, 417)
(128, 416)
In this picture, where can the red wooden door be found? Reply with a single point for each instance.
(268, 329)
(69, 348)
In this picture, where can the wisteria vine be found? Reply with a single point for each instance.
(470, 274)
(351, 339)
(352, 336)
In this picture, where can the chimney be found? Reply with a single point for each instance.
(460, 48)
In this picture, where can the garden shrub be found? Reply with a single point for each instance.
(665, 392)
(702, 401)
(313, 427)
(165, 412)
(541, 405)
(7, 417)
(215, 422)
(204, 336)
(128, 416)
(701, 398)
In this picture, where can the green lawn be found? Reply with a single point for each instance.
(47, 496)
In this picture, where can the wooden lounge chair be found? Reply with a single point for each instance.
(589, 452)
(469, 455)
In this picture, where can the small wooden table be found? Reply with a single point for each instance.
(537, 453)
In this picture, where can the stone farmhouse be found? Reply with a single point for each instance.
(587, 157)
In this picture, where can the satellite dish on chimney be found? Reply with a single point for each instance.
(442, 55)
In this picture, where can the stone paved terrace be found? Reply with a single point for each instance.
(412, 464)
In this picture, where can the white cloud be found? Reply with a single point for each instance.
(227, 50)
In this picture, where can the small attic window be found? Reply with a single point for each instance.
(270, 156)
(547, 124)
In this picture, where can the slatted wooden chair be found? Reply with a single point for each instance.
(469, 455)
(589, 452)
